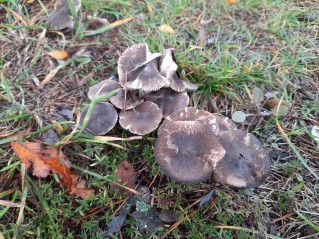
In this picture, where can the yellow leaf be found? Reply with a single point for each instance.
(58, 54)
(149, 8)
(231, 1)
(166, 28)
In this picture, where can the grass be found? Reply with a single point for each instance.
(228, 50)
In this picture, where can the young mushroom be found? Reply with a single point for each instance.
(102, 119)
(187, 152)
(137, 69)
(246, 163)
(142, 119)
(61, 17)
(168, 100)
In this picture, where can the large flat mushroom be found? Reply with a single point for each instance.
(215, 122)
(142, 119)
(188, 152)
(103, 88)
(137, 69)
(102, 119)
(246, 163)
(168, 100)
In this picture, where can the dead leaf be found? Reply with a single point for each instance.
(6, 203)
(147, 220)
(59, 54)
(78, 188)
(29, 152)
(51, 159)
(168, 216)
(231, 1)
(149, 8)
(166, 28)
(125, 176)
(270, 104)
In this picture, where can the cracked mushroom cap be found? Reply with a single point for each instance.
(137, 69)
(246, 163)
(188, 152)
(102, 119)
(168, 100)
(103, 88)
(142, 119)
(215, 122)
(126, 99)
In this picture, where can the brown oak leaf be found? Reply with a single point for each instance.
(51, 159)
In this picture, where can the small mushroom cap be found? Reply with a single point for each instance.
(137, 69)
(126, 101)
(103, 118)
(103, 88)
(61, 16)
(168, 100)
(215, 122)
(188, 152)
(141, 120)
(168, 68)
(246, 163)
(167, 65)
(180, 85)
(146, 77)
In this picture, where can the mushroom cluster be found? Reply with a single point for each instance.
(194, 144)
(149, 89)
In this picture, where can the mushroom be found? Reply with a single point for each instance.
(188, 152)
(137, 69)
(215, 122)
(102, 119)
(61, 16)
(168, 100)
(168, 68)
(126, 99)
(246, 163)
(103, 88)
(180, 85)
(142, 119)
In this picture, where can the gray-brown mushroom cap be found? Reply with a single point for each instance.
(246, 163)
(142, 119)
(125, 99)
(103, 88)
(180, 85)
(215, 122)
(168, 68)
(168, 100)
(188, 152)
(167, 65)
(103, 118)
(137, 69)
(61, 16)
